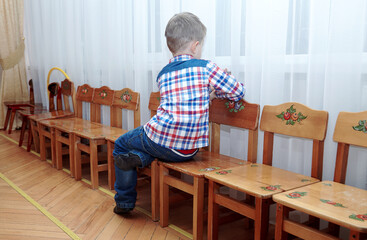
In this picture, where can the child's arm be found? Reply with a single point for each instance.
(224, 84)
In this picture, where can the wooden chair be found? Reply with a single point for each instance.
(333, 201)
(246, 116)
(57, 94)
(62, 129)
(14, 106)
(261, 181)
(124, 99)
(95, 137)
(39, 133)
(152, 172)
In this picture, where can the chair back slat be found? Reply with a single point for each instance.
(294, 119)
(31, 92)
(154, 102)
(125, 99)
(55, 93)
(102, 96)
(239, 114)
(350, 129)
(68, 91)
(84, 94)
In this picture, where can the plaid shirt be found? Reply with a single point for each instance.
(182, 119)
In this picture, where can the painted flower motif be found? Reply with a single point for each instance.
(224, 172)
(254, 165)
(362, 126)
(235, 106)
(84, 90)
(332, 203)
(359, 217)
(305, 180)
(291, 116)
(209, 169)
(327, 184)
(66, 85)
(296, 194)
(126, 97)
(271, 187)
(103, 94)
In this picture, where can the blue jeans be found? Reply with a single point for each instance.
(138, 143)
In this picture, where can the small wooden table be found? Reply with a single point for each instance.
(258, 180)
(338, 203)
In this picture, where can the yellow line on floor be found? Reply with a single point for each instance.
(108, 192)
(39, 207)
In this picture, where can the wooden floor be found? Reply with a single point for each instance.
(79, 210)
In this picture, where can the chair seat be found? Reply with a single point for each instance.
(260, 180)
(51, 115)
(18, 104)
(335, 202)
(29, 112)
(204, 162)
(100, 132)
(69, 125)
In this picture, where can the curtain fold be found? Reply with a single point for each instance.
(308, 51)
(13, 84)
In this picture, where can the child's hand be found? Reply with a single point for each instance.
(212, 94)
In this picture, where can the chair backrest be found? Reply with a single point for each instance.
(102, 96)
(239, 114)
(350, 129)
(125, 99)
(84, 94)
(68, 91)
(31, 92)
(154, 102)
(55, 93)
(296, 120)
(60, 94)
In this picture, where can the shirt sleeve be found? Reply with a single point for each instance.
(225, 85)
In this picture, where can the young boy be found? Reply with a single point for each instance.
(181, 125)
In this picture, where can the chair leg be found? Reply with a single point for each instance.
(71, 154)
(30, 137)
(77, 159)
(58, 148)
(354, 235)
(155, 190)
(164, 197)
(198, 215)
(261, 218)
(212, 211)
(7, 118)
(35, 135)
(12, 116)
(93, 163)
(53, 146)
(280, 215)
(111, 166)
(42, 141)
(22, 131)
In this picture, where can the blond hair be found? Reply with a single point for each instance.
(183, 28)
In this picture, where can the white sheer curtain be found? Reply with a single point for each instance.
(312, 52)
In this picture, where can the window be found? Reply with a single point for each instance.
(298, 26)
